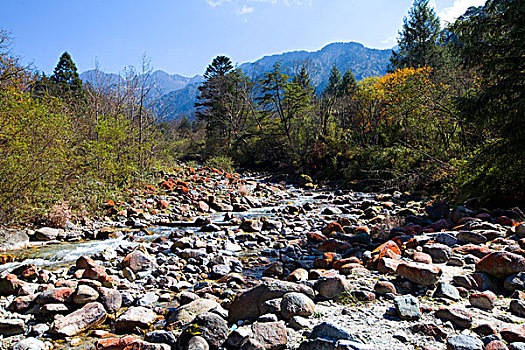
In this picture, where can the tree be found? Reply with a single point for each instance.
(348, 84)
(418, 39)
(491, 42)
(66, 78)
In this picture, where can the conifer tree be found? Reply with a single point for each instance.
(348, 83)
(66, 78)
(418, 39)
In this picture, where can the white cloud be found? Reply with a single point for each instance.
(215, 3)
(450, 14)
(245, 10)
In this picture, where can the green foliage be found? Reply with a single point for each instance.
(66, 80)
(418, 39)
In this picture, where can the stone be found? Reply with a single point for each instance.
(496, 345)
(517, 307)
(147, 299)
(274, 269)
(465, 237)
(384, 287)
(352, 345)
(137, 316)
(515, 282)
(251, 225)
(271, 335)
(317, 344)
(238, 336)
(513, 334)
(440, 253)
(186, 313)
(198, 343)
(423, 274)
(139, 261)
(501, 264)
(447, 291)
(12, 240)
(211, 327)
(247, 305)
(90, 315)
(165, 337)
(476, 281)
(9, 327)
(10, 284)
(332, 287)
(111, 299)
(268, 318)
(517, 346)
(84, 294)
(331, 331)
(458, 317)
(127, 343)
(464, 342)
(296, 304)
(30, 344)
(47, 234)
(407, 307)
(298, 275)
(54, 296)
(483, 300)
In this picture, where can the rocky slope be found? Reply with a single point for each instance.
(207, 260)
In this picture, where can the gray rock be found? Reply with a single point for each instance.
(464, 342)
(136, 316)
(30, 344)
(352, 345)
(517, 307)
(447, 238)
(186, 313)
(447, 291)
(47, 234)
(440, 253)
(268, 318)
(147, 299)
(515, 282)
(247, 305)
(139, 261)
(296, 304)
(298, 322)
(164, 337)
(13, 239)
(407, 307)
(238, 336)
(251, 225)
(458, 317)
(85, 294)
(331, 331)
(517, 346)
(9, 327)
(198, 343)
(317, 344)
(465, 237)
(211, 327)
(90, 315)
(111, 299)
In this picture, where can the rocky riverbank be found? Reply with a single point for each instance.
(206, 260)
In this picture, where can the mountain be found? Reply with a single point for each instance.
(179, 93)
(362, 61)
(163, 82)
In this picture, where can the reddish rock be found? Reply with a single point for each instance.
(384, 287)
(331, 228)
(484, 300)
(126, 343)
(387, 265)
(496, 345)
(422, 258)
(162, 204)
(316, 237)
(10, 284)
(340, 263)
(478, 251)
(440, 225)
(90, 315)
(501, 264)
(389, 249)
(332, 245)
(476, 281)
(514, 334)
(419, 273)
(55, 296)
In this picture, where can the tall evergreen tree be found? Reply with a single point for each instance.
(418, 40)
(348, 83)
(66, 78)
(332, 88)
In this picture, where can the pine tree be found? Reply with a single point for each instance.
(333, 82)
(418, 40)
(348, 83)
(66, 78)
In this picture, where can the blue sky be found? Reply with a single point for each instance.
(183, 36)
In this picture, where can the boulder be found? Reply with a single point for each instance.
(134, 317)
(271, 335)
(464, 342)
(296, 304)
(90, 315)
(419, 273)
(9, 327)
(458, 317)
(47, 234)
(211, 327)
(186, 313)
(13, 239)
(110, 298)
(139, 261)
(247, 305)
(407, 307)
(332, 287)
(501, 264)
